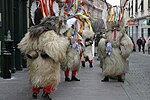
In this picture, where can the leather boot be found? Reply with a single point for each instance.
(91, 65)
(34, 95)
(67, 79)
(120, 78)
(83, 64)
(74, 78)
(106, 79)
(45, 96)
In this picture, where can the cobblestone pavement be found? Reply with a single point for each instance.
(135, 87)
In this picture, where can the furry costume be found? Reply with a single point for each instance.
(73, 56)
(115, 64)
(72, 64)
(88, 36)
(45, 49)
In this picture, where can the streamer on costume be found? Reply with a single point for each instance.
(86, 19)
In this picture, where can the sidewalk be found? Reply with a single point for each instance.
(136, 86)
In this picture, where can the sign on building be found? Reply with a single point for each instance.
(132, 23)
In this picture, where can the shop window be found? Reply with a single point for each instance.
(148, 4)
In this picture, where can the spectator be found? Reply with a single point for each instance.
(134, 47)
(143, 44)
(139, 43)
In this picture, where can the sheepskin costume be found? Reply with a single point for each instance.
(88, 36)
(72, 62)
(45, 49)
(115, 64)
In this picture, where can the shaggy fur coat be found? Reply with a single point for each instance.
(45, 49)
(88, 36)
(116, 63)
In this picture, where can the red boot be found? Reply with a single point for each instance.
(67, 75)
(46, 93)
(35, 92)
(74, 78)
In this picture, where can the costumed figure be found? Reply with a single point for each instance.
(45, 49)
(88, 37)
(75, 25)
(114, 61)
(72, 63)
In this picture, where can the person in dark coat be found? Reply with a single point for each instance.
(143, 44)
(139, 43)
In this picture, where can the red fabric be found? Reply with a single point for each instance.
(47, 89)
(35, 90)
(83, 62)
(82, 3)
(90, 61)
(114, 35)
(67, 72)
(68, 2)
(74, 73)
(80, 55)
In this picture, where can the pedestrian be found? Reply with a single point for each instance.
(143, 44)
(134, 47)
(148, 45)
(139, 43)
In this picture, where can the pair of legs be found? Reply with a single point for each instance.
(139, 47)
(73, 78)
(46, 92)
(119, 78)
(143, 48)
(90, 62)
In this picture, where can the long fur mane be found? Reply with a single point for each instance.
(47, 24)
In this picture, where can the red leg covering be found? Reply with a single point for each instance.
(80, 55)
(83, 62)
(90, 61)
(74, 73)
(35, 90)
(47, 89)
(67, 72)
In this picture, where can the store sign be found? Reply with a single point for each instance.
(132, 23)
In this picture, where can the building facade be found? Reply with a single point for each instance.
(13, 26)
(137, 13)
(15, 20)
(95, 7)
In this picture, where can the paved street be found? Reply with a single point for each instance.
(135, 87)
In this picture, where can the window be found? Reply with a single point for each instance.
(142, 5)
(148, 4)
(148, 32)
(132, 8)
(129, 8)
(136, 6)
